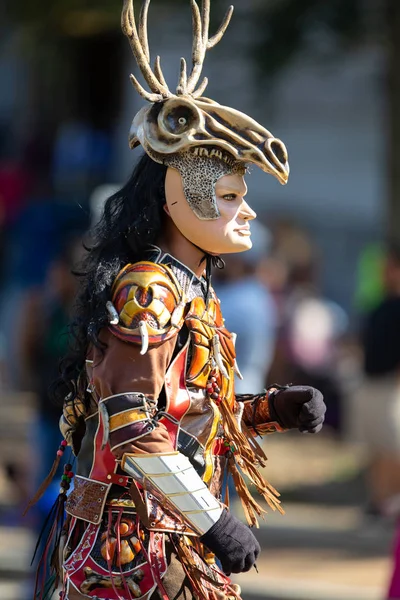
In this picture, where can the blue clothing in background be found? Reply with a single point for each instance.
(250, 312)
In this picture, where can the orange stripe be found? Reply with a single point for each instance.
(126, 418)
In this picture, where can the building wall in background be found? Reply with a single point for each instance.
(331, 117)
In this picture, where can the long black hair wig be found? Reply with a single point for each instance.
(131, 221)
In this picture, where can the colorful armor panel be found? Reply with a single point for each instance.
(149, 304)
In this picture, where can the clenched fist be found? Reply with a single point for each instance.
(233, 543)
(300, 407)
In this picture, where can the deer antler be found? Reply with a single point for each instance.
(139, 43)
(140, 48)
(201, 43)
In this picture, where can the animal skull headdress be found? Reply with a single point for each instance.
(188, 131)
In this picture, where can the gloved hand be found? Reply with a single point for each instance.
(233, 543)
(301, 407)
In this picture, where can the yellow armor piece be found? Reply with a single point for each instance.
(149, 303)
(209, 336)
(72, 422)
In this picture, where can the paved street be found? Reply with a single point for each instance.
(335, 558)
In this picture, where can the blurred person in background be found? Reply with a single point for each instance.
(81, 158)
(34, 239)
(30, 244)
(288, 272)
(378, 398)
(314, 328)
(249, 311)
(15, 179)
(394, 582)
(36, 226)
(45, 316)
(310, 325)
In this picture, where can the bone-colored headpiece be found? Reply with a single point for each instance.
(185, 120)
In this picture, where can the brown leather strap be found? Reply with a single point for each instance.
(139, 504)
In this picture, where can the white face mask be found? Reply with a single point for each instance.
(227, 232)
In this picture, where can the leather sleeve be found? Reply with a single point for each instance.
(121, 377)
(257, 413)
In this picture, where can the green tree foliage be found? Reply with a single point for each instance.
(289, 27)
(54, 13)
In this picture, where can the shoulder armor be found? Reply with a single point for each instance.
(149, 302)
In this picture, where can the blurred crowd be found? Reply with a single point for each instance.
(287, 330)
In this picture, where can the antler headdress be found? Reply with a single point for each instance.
(185, 120)
(201, 43)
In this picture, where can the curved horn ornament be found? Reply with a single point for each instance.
(144, 334)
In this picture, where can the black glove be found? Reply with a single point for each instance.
(298, 406)
(233, 543)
